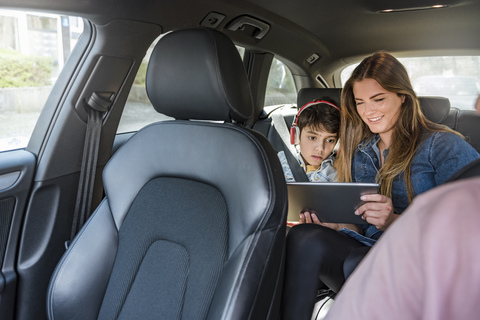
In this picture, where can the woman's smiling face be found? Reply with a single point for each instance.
(378, 108)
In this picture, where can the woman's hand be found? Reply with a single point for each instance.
(311, 217)
(377, 211)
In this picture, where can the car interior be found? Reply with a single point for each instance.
(151, 161)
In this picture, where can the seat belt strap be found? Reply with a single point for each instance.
(282, 129)
(97, 105)
(290, 153)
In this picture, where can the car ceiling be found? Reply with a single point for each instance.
(340, 32)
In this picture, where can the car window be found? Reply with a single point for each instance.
(33, 49)
(455, 78)
(138, 111)
(280, 85)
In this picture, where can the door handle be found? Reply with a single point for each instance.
(240, 22)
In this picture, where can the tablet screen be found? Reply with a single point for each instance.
(332, 202)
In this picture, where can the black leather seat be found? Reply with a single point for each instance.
(193, 223)
(436, 109)
(468, 123)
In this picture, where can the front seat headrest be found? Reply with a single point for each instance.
(198, 74)
(436, 109)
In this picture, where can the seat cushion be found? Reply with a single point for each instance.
(166, 245)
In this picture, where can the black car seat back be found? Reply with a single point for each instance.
(193, 223)
(468, 123)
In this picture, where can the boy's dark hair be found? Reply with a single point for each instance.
(320, 117)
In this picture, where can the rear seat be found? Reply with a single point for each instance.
(436, 109)
(467, 122)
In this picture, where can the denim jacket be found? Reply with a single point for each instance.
(324, 173)
(438, 157)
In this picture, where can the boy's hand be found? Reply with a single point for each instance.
(311, 217)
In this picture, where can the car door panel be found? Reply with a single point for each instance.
(16, 175)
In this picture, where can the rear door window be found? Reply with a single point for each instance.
(455, 77)
(33, 49)
(280, 85)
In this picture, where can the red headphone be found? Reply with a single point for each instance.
(295, 131)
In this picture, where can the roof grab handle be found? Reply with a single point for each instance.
(240, 22)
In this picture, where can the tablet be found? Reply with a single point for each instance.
(332, 202)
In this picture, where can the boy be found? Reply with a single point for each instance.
(315, 135)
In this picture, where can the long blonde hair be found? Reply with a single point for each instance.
(408, 130)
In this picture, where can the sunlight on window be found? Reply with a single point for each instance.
(455, 78)
(33, 49)
(280, 85)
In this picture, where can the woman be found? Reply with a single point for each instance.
(385, 138)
